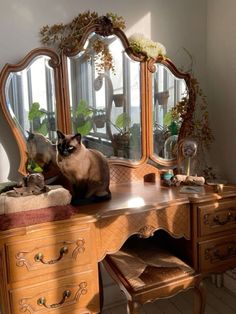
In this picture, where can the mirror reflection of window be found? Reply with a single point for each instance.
(31, 99)
(105, 103)
(168, 90)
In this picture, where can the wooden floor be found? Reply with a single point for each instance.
(219, 300)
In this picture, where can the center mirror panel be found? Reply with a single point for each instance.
(168, 88)
(105, 102)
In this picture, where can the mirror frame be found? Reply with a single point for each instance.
(54, 62)
(151, 68)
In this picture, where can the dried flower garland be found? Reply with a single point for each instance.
(68, 36)
(198, 126)
(141, 44)
(198, 121)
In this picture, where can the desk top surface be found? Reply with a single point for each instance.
(127, 198)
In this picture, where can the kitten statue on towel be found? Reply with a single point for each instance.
(87, 169)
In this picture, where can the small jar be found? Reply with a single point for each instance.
(166, 177)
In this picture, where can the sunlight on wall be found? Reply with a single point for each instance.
(23, 12)
(142, 26)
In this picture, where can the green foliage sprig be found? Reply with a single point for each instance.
(39, 118)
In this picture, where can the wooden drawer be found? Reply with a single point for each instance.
(77, 293)
(217, 253)
(48, 255)
(217, 217)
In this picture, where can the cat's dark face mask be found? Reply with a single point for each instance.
(65, 149)
(67, 145)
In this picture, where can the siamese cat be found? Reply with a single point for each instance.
(87, 169)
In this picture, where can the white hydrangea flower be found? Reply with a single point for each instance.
(142, 44)
(162, 49)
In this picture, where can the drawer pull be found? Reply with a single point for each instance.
(213, 254)
(217, 220)
(222, 222)
(40, 258)
(230, 252)
(42, 300)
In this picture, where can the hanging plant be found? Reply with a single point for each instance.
(68, 36)
(100, 120)
(103, 57)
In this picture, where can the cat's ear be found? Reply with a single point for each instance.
(78, 137)
(30, 135)
(60, 135)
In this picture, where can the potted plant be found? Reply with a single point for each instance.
(100, 120)
(42, 120)
(162, 97)
(85, 117)
(121, 140)
(124, 137)
(119, 100)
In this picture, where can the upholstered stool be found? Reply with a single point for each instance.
(151, 274)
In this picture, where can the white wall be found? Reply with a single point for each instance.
(221, 77)
(176, 24)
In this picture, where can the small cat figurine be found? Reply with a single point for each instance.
(87, 169)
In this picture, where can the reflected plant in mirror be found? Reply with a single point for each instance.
(124, 138)
(108, 111)
(42, 121)
(169, 88)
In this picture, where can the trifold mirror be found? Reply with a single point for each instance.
(122, 105)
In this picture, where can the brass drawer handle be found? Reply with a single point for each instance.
(213, 254)
(40, 258)
(230, 253)
(217, 220)
(42, 300)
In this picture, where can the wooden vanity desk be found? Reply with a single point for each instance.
(49, 261)
(49, 257)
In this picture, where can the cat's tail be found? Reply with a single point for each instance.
(92, 199)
